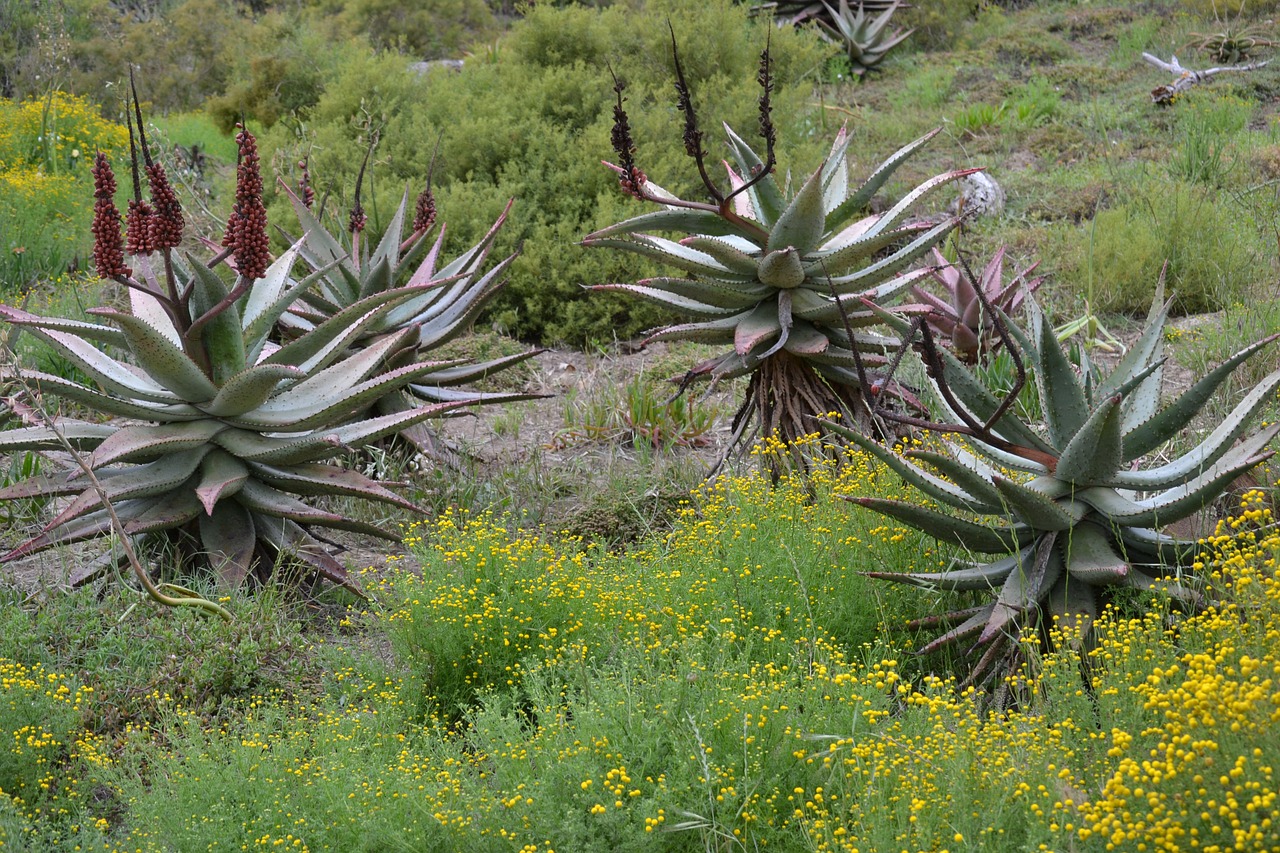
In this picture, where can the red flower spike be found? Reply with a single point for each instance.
(108, 246)
(424, 211)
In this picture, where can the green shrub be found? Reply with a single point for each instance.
(1215, 254)
(530, 120)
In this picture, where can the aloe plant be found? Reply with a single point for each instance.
(958, 315)
(1072, 514)
(782, 278)
(207, 432)
(447, 299)
(866, 38)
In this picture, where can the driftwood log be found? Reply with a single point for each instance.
(1185, 78)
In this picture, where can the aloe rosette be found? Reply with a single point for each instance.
(784, 280)
(210, 433)
(1071, 515)
(448, 297)
(958, 314)
(866, 38)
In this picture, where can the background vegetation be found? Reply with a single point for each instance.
(500, 688)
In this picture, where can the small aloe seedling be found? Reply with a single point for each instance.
(207, 432)
(1081, 516)
(958, 315)
(780, 278)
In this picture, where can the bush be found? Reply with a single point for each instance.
(1215, 255)
(46, 193)
(531, 120)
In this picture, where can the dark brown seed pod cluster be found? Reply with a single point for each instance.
(247, 227)
(358, 219)
(167, 222)
(305, 192)
(139, 239)
(108, 245)
(424, 211)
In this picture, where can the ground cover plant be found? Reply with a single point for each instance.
(573, 649)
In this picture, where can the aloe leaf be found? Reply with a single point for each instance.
(962, 576)
(1061, 394)
(933, 487)
(1208, 451)
(143, 442)
(317, 241)
(894, 263)
(459, 316)
(1145, 437)
(1024, 588)
(963, 473)
(660, 296)
(708, 332)
(262, 499)
(759, 326)
(721, 294)
(229, 538)
(733, 258)
(1142, 352)
(88, 331)
(986, 539)
(1091, 558)
(836, 260)
(765, 196)
(221, 475)
(78, 529)
(163, 361)
(147, 308)
(965, 629)
(108, 373)
(803, 223)
(683, 220)
(106, 404)
(1093, 454)
(891, 217)
(165, 513)
(1175, 474)
(806, 341)
(1036, 510)
(249, 389)
(387, 254)
(269, 289)
(328, 340)
(323, 480)
(861, 197)
(835, 172)
(673, 253)
(222, 336)
(288, 539)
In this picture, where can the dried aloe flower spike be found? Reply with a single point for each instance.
(247, 227)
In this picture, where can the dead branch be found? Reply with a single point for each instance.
(1185, 78)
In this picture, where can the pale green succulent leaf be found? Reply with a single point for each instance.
(112, 376)
(269, 291)
(323, 480)
(984, 538)
(230, 539)
(144, 442)
(318, 247)
(222, 336)
(1094, 453)
(262, 499)
(1091, 558)
(807, 341)
(673, 253)
(757, 327)
(890, 218)
(1023, 589)
(734, 259)
(221, 475)
(963, 576)
(803, 223)
(964, 472)
(288, 538)
(964, 630)
(107, 404)
(249, 389)
(765, 196)
(331, 338)
(1181, 470)
(662, 296)
(1037, 511)
(713, 292)
(1147, 349)
(387, 252)
(685, 220)
(835, 172)
(1145, 437)
(1061, 395)
(88, 331)
(857, 203)
(894, 263)
(172, 510)
(163, 361)
(933, 487)
(837, 260)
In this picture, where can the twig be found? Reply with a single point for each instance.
(1185, 78)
